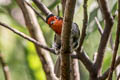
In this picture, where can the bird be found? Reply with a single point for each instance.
(55, 23)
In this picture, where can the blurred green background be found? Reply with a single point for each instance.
(20, 54)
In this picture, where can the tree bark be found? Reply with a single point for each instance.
(36, 33)
(65, 37)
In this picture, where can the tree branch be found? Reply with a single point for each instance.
(75, 74)
(65, 37)
(106, 73)
(111, 42)
(73, 62)
(117, 41)
(63, 2)
(5, 68)
(85, 60)
(36, 33)
(106, 33)
(80, 53)
(117, 71)
(85, 23)
(118, 77)
(27, 38)
(42, 7)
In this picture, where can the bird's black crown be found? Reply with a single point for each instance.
(50, 15)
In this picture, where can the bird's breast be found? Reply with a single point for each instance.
(57, 27)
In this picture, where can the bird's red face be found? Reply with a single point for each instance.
(51, 20)
(55, 23)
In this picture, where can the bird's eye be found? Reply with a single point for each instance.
(52, 22)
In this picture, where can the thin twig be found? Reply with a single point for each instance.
(5, 68)
(99, 26)
(101, 32)
(35, 11)
(58, 10)
(27, 37)
(85, 23)
(117, 41)
(42, 7)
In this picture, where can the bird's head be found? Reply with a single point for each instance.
(50, 19)
(55, 22)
